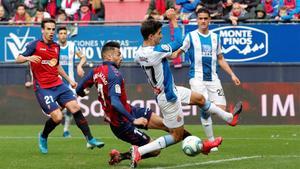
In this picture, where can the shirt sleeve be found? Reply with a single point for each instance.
(115, 83)
(167, 49)
(30, 48)
(219, 45)
(186, 43)
(86, 82)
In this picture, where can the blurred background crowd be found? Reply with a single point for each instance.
(30, 12)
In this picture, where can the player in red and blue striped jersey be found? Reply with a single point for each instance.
(50, 91)
(124, 119)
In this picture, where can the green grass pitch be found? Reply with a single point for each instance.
(243, 147)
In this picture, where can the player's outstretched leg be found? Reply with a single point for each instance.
(236, 113)
(208, 145)
(135, 156)
(82, 124)
(92, 143)
(115, 157)
(67, 123)
(43, 146)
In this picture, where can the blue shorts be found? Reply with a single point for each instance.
(52, 98)
(130, 133)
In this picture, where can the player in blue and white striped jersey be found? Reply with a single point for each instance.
(67, 56)
(152, 57)
(204, 49)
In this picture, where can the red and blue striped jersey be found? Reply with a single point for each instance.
(45, 73)
(108, 81)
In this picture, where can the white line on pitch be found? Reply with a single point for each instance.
(209, 162)
(226, 138)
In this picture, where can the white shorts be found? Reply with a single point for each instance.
(172, 111)
(212, 91)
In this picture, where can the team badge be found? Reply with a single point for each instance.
(179, 118)
(117, 89)
(165, 47)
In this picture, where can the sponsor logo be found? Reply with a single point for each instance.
(14, 45)
(242, 43)
(51, 62)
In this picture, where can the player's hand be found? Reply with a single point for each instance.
(235, 79)
(140, 121)
(73, 84)
(171, 14)
(80, 71)
(176, 53)
(28, 84)
(34, 59)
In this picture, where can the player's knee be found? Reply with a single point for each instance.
(177, 137)
(57, 116)
(201, 100)
(198, 99)
(73, 107)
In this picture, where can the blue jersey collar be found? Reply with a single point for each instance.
(110, 63)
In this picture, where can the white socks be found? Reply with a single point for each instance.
(160, 143)
(207, 127)
(213, 109)
(68, 119)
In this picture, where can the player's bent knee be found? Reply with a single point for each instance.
(56, 116)
(177, 137)
(198, 99)
(73, 106)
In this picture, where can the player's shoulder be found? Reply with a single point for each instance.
(214, 33)
(55, 44)
(162, 48)
(33, 43)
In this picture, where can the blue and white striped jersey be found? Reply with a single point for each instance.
(153, 59)
(203, 53)
(67, 60)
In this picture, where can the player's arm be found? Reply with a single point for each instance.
(62, 73)
(85, 83)
(224, 65)
(116, 103)
(176, 44)
(28, 54)
(115, 93)
(82, 61)
(185, 46)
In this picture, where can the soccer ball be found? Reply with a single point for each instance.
(192, 145)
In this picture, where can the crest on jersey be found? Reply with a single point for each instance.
(118, 89)
(242, 43)
(165, 47)
(14, 45)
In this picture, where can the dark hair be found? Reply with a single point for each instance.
(61, 28)
(203, 10)
(109, 46)
(47, 20)
(149, 27)
(40, 10)
(21, 4)
(61, 11)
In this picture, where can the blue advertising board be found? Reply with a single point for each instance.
(258, 42)
(88, 39)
